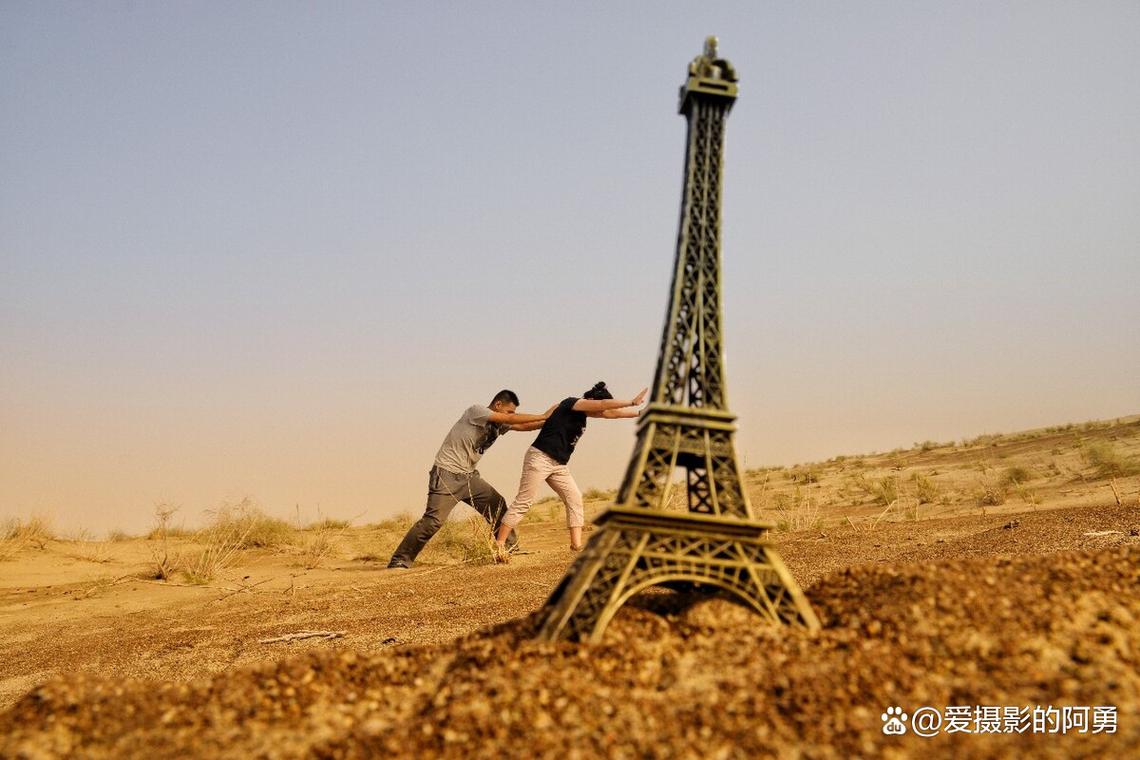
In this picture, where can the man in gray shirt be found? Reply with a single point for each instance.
(453, 478)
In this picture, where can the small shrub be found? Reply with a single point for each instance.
(35, 531)
(256, 529)
(804, 516)
(168, 531)
(597, 494)
(1017, 475)
(468, 540)
(17, 535)
(163, 563)
(232, 529)
(329, 523)
(223, 541)
(317, 546)
(806, 475)
(398, 524)
(781, 501)
(83, 546)
(885, 490)
(9, 546)
(990, 493)
(925, 489)
(318, 541)
(118, 536)
(1108, 462)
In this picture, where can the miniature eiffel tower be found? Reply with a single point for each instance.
(717, 543)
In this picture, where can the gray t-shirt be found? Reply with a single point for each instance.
(467, 440)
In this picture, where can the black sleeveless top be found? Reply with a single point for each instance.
(561, 431)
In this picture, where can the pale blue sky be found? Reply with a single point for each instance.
(275, 249)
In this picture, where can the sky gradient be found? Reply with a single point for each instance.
(274, 250)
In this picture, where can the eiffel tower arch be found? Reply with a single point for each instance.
(718, 543)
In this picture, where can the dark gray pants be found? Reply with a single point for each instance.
(445, 490)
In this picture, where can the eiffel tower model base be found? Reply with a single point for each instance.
(637, 548)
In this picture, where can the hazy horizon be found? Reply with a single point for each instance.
(275, 250)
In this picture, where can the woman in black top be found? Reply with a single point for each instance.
(547, 458)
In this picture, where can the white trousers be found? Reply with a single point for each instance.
(538, 467)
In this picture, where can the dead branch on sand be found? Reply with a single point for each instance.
(304, 635)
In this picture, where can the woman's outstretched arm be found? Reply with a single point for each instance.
(616, 414)
(600, 405)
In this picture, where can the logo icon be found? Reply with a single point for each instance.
(894, 721)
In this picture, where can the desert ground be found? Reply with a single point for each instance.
(1000, 571)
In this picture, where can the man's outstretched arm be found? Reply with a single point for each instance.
(522, 427)
(503, 418)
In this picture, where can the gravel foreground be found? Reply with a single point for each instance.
(676, 677)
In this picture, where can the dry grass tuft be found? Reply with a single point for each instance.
(804, 474)
(805, 515)
(318, 541)
(163, 563)
(468, 540)
(990, 492)
(925, 489)
(797, 512)
(883, 491)
(83, 546)
(158, 533)
(398, 524)
(1108, 462)
(1016, 476)
(329, 523)
(17, 535)
(222, 544)
(256, 529)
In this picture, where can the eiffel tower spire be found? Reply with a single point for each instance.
(687, 423)
(717, 543)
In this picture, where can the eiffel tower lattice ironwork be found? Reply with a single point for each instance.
(717, 543)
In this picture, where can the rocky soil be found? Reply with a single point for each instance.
(1015, 616)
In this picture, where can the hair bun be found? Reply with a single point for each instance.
(599, 386)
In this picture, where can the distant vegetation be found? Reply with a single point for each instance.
(1073, 463)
